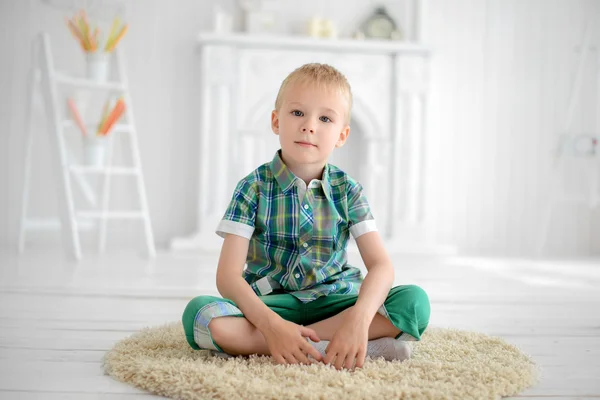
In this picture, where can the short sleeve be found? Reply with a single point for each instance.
(361, 220)
(239, 218)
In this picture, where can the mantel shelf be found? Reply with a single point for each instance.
(367, 46)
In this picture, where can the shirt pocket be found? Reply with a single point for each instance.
(328, 234)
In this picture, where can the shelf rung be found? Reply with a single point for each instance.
(52, 224)
(117, 128)
(111, 214)
(77, 82)
(84, 169)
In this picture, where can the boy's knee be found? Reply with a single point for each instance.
(418, 294)
(410, 292)
(413, 296)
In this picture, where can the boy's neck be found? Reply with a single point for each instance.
(306, 172)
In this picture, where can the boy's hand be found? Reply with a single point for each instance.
(287, 342)
(349, 343)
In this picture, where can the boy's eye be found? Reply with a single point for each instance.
(325, 119)
(297, 113)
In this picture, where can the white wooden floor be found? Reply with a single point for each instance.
(57, 319)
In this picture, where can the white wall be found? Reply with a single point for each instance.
(499, 82)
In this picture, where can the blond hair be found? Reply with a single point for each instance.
(321, 75)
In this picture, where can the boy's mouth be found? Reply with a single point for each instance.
(306, 144)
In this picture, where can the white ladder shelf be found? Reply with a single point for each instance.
(44, 80)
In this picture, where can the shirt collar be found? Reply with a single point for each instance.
(286, 178)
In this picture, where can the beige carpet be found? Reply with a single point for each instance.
(445, 364)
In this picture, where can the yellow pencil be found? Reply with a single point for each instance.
(118, 38)
(95, 39)
(113, 31)
(87, 32)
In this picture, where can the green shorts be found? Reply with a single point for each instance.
(407, 307)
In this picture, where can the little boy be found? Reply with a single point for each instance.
(290, 221)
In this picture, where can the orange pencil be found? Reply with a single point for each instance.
(104, 116)
(109, 117)
(83, 32)
(75, 32)
(117, 117)
(94, 39)
(114, 115)
(76, 115)
(112, 123)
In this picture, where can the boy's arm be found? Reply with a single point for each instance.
(233, 286)
(349, 343)
(380, 276)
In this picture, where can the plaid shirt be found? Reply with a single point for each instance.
(298, 235)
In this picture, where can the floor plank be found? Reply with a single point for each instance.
(45, 395)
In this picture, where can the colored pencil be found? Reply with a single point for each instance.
(104, 116)
(112, 33)
(75, 32)
(80, 28)
(113, 117)
(77, 117)
(114, 43)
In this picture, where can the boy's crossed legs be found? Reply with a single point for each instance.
(237, 336)
(217, 324)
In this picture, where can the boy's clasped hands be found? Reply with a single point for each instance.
(288, 342)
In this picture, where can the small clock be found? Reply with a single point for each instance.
(379, 25)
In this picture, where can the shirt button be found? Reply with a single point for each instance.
(306, 206)
(297, 276)
(305, 245)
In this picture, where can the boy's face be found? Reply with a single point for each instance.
(310, 123)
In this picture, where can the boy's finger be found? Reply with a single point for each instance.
(360, 358)
(349, 361)
(301, 357)
(307, 348)
(329, 356)
(279, 359)
(339, 361)
(290, 359)
(307, 332)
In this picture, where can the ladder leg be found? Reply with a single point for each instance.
(105, 193)
(28, 149)
(596, 168)
(137, 161)
(66, 204)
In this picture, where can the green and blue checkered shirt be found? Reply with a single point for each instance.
(298, 234)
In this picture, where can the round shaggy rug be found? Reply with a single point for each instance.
(446, 363)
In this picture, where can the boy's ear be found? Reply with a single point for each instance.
(275, 122)
(343, 136)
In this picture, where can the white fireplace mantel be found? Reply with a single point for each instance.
(239, 77)
(243, 41)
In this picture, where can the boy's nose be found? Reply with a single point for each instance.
(311, 130)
